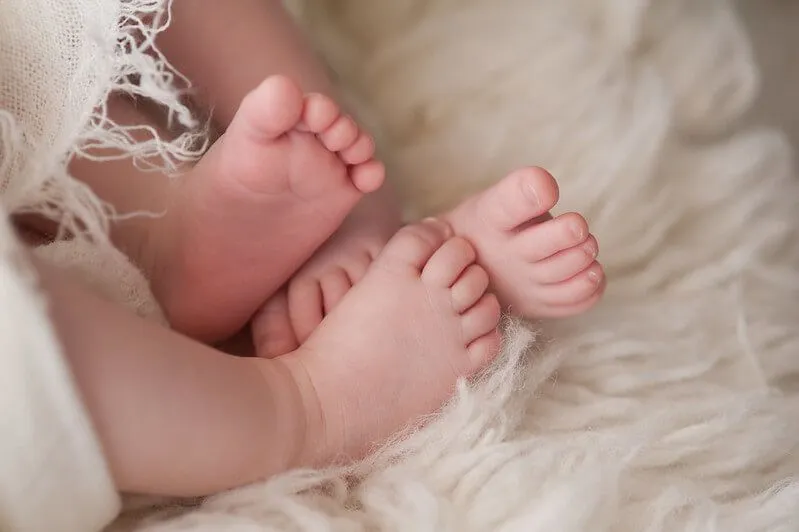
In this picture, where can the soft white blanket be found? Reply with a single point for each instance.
(671, 407)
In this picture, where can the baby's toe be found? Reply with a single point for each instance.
(413, 245)
(572, 291)
(319, 113)
(448, 262)
(565, 264)
(521, 197)
(269, 110)
(341, 134)
(369, 176)
(334, 284)
(565, 311)
(483, 350)
(469, 288)
(357, 266)
(481, 319)
(306, 306)
(272, 333)
(360, 151)
(546, 239)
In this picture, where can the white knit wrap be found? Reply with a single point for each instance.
(59, 62)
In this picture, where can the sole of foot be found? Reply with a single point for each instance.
(398, 342)
(269, 192)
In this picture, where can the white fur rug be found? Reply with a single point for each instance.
(673, 406)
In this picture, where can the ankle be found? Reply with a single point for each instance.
(151, 245)
(312, 447)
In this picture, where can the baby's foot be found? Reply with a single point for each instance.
(291, 315)
(540, 267)
(274, 187)
(395, 346)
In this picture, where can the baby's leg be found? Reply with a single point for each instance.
(241, 42)
(178, 418)
(239, 223)
(227, 48)
(395, 346)
(174, 417)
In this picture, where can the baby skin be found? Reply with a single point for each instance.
(419, 320)
(540, 267)
(274, 187)
(282, 179)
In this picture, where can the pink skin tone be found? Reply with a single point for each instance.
(540, 267)
(272, 226)
(212, 282)
(260, 416)
(420, 319)
(235, 227)
(281, 169)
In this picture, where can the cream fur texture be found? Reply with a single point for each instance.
(671, 407)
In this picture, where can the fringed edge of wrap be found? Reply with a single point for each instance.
(135, 67)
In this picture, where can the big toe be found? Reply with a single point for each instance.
(414, 245)
(520, 198)
(271, 109)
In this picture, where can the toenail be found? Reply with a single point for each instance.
(594, 276)
(531, 191)
(578, 231)
(590, 250)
